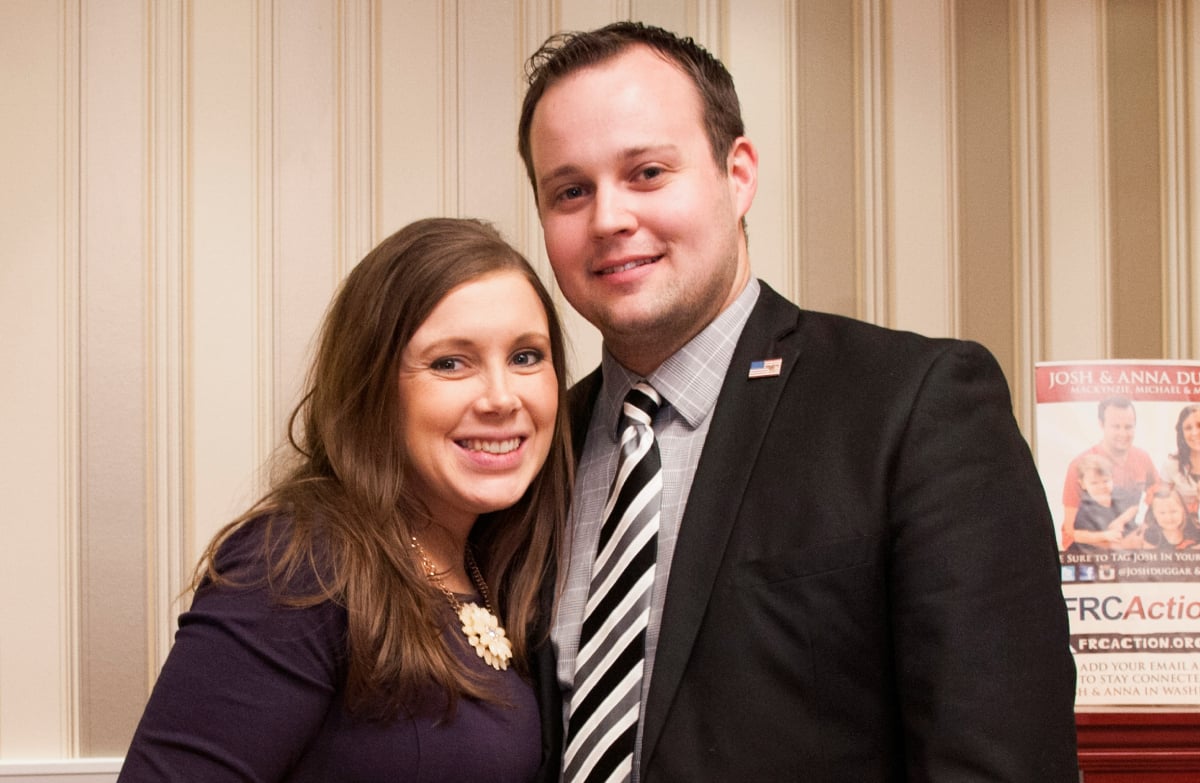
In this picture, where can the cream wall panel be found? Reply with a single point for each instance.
(760, 40)
(678, 15)
(1134, 166)
(921, 151)
(115, 323)
(230, 422)
(589, 14)
(1075, 315)
(489, 89)
(415, 78)
(988, 306)
(823, 183)
(306, 259)
(38, 273)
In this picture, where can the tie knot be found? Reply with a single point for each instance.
(642, 403)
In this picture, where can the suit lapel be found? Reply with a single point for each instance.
(741, 420)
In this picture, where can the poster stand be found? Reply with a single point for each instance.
(1142, 746)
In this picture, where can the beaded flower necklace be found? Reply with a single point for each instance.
(479, 624)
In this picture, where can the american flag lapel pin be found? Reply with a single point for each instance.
(765, 368)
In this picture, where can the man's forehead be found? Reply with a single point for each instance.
(1118, 415)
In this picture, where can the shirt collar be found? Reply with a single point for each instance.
(690, 379)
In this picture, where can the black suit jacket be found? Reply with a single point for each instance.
(865, 583)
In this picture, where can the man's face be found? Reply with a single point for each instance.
(1118, 429)
(641, 225)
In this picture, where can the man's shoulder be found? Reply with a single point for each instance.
(848, 346)
(847, 338)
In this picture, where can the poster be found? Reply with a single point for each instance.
(1126, 520)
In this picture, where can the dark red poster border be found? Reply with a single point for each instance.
(1144, 746)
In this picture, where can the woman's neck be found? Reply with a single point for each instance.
(445, 551)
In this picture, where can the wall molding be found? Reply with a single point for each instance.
(356, 129)
(1026, 23)
(1177, 206)
(70, 362)
(873, 262)
(165, 273)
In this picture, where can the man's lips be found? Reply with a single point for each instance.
(625, 267)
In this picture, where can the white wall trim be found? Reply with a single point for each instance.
(873, 261)
(70, 383)
(93, 770)
(1025, 24)
(1177, 315)
(166, 316)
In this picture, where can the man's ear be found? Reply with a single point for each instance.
(742, 166)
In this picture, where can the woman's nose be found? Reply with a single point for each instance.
(498, 394)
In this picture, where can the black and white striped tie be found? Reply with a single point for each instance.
(603, 711)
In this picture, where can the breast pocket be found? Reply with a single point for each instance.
(826, 558)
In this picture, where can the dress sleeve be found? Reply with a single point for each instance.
(246, 686)
(986, 677)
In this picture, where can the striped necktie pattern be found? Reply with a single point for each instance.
(603, 705)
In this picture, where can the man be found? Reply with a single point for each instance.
(855, 574)
(1133, 471)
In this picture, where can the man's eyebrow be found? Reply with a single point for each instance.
(566, 170)
(570, 169)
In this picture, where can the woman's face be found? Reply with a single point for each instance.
(478, 398)
(1168, 512)
(1191, 431)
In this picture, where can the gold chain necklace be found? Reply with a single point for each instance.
(479, 624)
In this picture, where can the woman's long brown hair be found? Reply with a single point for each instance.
(342, 506)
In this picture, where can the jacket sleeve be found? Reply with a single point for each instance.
(984, 671)
(246, 686)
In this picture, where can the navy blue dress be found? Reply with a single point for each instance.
(253, 691)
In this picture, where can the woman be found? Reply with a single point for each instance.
(1168, 524)
(1183, 467)
(370, 617)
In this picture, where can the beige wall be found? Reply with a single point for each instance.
(186, 181)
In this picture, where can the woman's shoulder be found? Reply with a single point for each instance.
(294, 558)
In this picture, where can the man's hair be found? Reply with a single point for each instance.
(565, 53)
(1114, 402)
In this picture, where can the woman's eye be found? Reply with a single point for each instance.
(446, 364)
(527, 358)
(650, 172)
